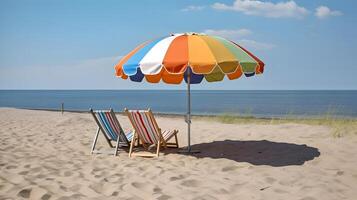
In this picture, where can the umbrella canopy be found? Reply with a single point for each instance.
(189, 56)
(168, 58)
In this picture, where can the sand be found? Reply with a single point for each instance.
(45, 155)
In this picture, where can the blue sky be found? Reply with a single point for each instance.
(75, 44)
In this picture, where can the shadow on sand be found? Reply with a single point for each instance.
(260, 152)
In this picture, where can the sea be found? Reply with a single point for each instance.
(252, 103)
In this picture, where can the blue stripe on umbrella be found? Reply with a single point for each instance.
(138, 77)
(131, 66)
(249, 74)
(195, 78)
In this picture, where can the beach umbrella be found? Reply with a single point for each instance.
(191, 57)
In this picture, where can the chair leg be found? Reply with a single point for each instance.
(116, 147)
(138, 143)
(95, 140)
(177, 145)
(158, 148)
(132, 144)
(164, 143)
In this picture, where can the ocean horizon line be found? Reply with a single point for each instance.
(178, 90)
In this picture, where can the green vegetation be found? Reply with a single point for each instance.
(339, 126)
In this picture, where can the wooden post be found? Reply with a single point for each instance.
(62, 108)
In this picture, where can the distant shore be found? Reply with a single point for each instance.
(340, 125)
(230, 115)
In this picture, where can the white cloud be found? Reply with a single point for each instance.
(265, 9)
(229, 34)
(252, 44)
(323, 12)
(239, 36)
(193, 8)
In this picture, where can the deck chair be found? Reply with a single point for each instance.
(109, 125)
(148, 133)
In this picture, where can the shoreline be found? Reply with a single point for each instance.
(230, 115)
(340, 126)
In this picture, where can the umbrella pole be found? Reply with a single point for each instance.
(188, 117)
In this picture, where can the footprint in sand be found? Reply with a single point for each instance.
(63, 188)
(114, 178)
(46, 197)
(73, 196)
(146, 187)
(75, 187)
(88, 191)
(36, 169)
(67, 173)
(308, 198)
(139, 185)
(98, 173)
(11, 167)
(164, 197)
(40, 176)
(25, 193)
(280, 191)
(190, 183)
(340, 173)
(24, 172)
(157, 189)
(130, 165)
(97, 187)
(229, 168)
(175, 178)
(270, 180)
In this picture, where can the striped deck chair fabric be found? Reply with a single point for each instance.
(109, 125)
(147, 130)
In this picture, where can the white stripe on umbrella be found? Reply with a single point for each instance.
(152, 61)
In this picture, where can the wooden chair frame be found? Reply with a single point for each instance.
(160, 143)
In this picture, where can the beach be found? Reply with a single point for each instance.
(46, 155)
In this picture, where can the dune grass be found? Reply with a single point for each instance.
(339, 126)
